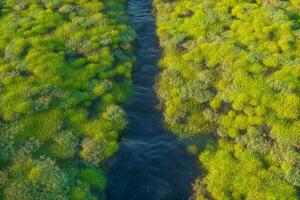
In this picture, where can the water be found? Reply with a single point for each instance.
(151, 163)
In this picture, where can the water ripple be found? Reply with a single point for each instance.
(151, 163)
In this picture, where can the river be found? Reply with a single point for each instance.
(151, 164)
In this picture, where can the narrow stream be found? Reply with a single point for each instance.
(151, 163)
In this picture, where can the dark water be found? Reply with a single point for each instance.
(151, 163)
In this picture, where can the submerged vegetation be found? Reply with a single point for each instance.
(65, 68)
(232, 69)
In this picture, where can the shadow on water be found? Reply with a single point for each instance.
(151, 163)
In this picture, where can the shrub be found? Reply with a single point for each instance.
(43, 126)
(93, 151)
(38, 179)
(229, 69)
(94, 178)
(64, 145)
(59, 60)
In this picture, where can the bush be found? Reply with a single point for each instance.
(43, 126)
(82, 193)
(229, 68)
(93, 151)
(64, 145)
(241, 174)
(94, 178)
(59, 60)
(37, 179)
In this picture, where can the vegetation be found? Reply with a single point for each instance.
(65, 67)
(231, 68)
